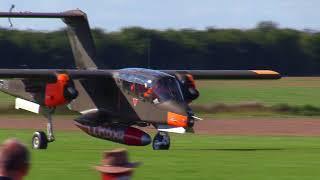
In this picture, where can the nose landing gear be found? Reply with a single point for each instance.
(161, 141)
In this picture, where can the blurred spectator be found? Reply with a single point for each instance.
(116, 166)
(14, 160)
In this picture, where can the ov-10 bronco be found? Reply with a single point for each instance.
(113, 102)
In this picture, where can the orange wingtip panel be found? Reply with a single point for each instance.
(177, 120)
(265, 72)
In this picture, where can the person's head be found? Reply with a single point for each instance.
(116, 166)
(14, 159)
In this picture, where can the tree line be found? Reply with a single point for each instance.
(291, 52)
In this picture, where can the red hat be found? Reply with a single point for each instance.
(116, 161)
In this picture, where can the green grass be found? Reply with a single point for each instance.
(292, 91)
(6, 99)
(191, 157)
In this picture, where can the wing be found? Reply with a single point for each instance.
(50, 75)
(96, 88)
(228, 74)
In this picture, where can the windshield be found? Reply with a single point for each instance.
(167, 89)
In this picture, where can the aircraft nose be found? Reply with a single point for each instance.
(178, 114)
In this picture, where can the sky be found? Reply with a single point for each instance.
(112, 15)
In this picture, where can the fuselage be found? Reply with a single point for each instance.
(129, 96)
(155, 96)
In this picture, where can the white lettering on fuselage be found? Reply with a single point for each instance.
(109, 133)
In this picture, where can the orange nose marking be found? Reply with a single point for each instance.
(177, 120)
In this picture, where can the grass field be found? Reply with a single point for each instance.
(292, 91)
(191, 157)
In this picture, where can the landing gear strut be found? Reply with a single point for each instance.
(161, 141)
(39, 139)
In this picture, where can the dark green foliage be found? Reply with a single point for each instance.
(288, 51)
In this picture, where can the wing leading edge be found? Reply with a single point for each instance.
(228, 74)
(50, 75)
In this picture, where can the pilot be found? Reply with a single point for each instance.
(148, 93)
(132, 87)
(115, 165)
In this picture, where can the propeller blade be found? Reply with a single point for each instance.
(197, 118)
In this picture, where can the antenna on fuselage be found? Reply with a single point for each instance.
(10, 11)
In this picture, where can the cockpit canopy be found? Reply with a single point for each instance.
(150, 85)
(167, 89)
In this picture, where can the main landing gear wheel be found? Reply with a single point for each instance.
(161, 141)
(39, 140)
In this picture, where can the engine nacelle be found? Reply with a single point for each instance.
(188, 87)
(61, 92)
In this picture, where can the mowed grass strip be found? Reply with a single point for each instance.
(295, 91)
(74, 154)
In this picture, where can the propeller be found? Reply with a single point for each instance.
(191, 129)
(197, 118)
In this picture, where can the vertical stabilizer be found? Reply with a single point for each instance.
(81, 40)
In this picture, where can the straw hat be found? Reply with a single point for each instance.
(116, 161)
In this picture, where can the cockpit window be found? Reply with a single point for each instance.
(156, 91)
(167, 89)
(138, 90)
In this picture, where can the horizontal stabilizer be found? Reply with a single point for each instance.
(27, 14)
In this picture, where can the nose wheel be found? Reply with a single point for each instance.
(161, 141)
(40, 139)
